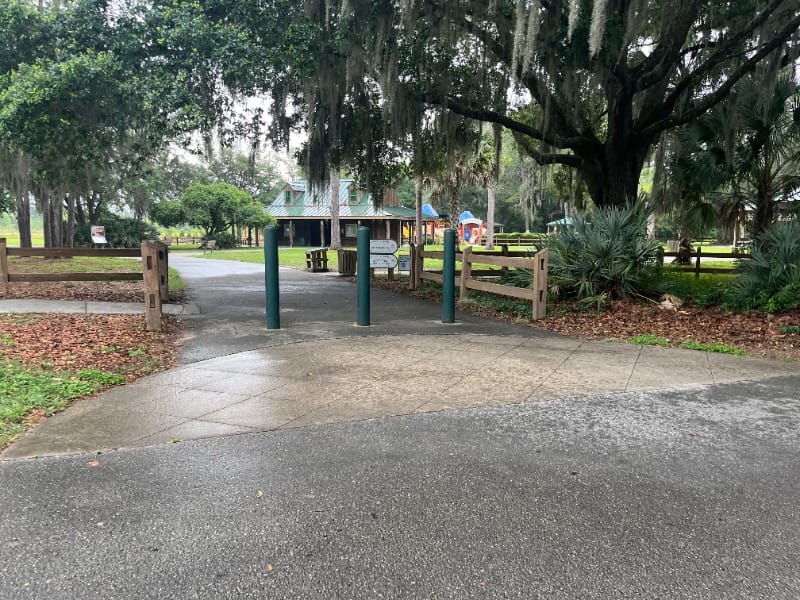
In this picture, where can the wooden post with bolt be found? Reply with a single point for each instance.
(152, 286)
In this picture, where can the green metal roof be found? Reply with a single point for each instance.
(308, 205)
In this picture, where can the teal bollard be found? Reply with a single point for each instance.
(271, 277)
(449, 278)
(362, 272)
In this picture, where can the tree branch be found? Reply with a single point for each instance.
(722, 91)
(544, 158)
(490, 116)
(661, 60)
(537, 88)
(723, 51)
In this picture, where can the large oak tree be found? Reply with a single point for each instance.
(590, 84)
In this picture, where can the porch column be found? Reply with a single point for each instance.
(322, 233)
(291, 234)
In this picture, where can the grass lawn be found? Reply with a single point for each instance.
(9, 231)
(295, 258)
(86, 264)
(47, 361)
(287, 257)
(28, 394)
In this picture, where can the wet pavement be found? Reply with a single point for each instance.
(408, 459)
(238, 377)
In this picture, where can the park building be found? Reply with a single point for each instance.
(304, 216)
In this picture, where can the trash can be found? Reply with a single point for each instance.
(347, 262)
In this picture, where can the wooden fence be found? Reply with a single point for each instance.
(154, 272)
(696, 257)
(470, 278)
(509, 240)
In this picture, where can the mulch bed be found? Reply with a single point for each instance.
(756, 333)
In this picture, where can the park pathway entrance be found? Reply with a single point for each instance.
(238, 377)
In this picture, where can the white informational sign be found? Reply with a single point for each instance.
(382, 246)
(382, 261)
(98, 233)
(404, 262)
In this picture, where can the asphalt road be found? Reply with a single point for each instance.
(671, 494)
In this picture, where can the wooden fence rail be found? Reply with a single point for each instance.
(467, 278)
(696, 257)
(154, 272)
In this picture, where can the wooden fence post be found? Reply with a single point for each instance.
(466, 271)
(162, 251)
(4, 267)
(539, 307)
(152, 294)
(697, 264)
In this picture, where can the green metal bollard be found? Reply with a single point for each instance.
(449, 278)
(271, 277)
(362, 272)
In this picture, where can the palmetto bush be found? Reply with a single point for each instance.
(771, 277)
(604, 256)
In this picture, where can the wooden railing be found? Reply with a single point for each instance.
(697, 255)
(468, 277)
(154, 271)
(509, 240)
(196, 241)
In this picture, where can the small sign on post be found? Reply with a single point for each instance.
(382, 261)
(98, 234)
(381, 254)
(382, 246)
(404, 263)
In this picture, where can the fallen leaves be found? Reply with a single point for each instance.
(756, 333)
(114, 343)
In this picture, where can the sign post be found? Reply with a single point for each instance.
(271, 277)
(362, 277)
(449, 278)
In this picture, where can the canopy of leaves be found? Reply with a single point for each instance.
(216, 207)
(586, 84)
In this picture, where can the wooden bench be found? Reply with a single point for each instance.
(742, 247)
(317, 260)
(209, 245)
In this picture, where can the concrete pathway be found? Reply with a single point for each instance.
(514, 464)
(237, 377)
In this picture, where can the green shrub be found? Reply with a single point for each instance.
(770, 279)
(648, 339)
(608, 257)
(121, 232)
(712, 347)
(226, 240)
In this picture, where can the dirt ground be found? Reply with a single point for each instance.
(71, 342)
(758, 334)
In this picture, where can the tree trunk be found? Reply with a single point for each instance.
(336, 233)
(613, 179)
(765, 208)
(69, 234)
(526, 213)
(418, 207)
(611, 170)
(24, 219)
(490, 201)
(44, 207)
(57, 220)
